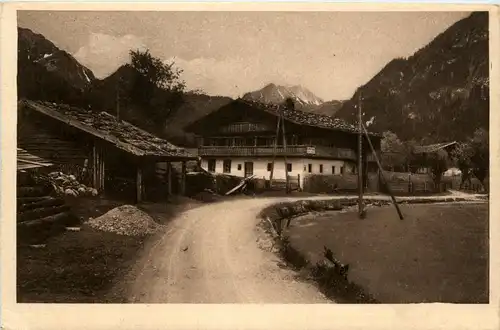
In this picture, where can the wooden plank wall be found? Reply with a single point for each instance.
(98, 166)
(59, 148)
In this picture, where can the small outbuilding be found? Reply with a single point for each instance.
(100, 149)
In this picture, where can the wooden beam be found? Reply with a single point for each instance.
(183, 179)
(360, 160)
(103, 166)
(169, 178)
(33, 162)
(94, 166)
(381, 171)
(139, 183)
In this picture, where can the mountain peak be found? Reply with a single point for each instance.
(277, 94)
(35, 50)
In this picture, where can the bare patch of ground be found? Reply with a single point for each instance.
(87, 266)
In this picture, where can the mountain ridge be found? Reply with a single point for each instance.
(439, 93)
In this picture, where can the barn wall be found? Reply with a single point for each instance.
(46, 140)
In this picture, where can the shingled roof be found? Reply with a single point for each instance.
(307, 118)
(432, 147)
(107, 127)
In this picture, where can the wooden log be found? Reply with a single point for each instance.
(46, 202)
(41, 213)
(32, 191)
(59, 218)
(28, 200)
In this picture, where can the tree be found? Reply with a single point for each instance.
(481, 154)
(462, 157)
(472, 156)
(395, 151)
(390, 142)
(157, 72)
(156, 87)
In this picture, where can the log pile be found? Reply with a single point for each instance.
(40, 215)
(68, 185)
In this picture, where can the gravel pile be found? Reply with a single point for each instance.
(126, 220)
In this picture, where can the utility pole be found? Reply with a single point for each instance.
(360, 159)
(284, 151)
(274, 151)
(382, 173)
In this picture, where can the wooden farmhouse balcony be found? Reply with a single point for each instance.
(304, 151)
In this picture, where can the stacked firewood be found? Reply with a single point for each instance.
(39, 214)
(68, 185)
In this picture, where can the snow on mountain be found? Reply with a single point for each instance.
(277, 94)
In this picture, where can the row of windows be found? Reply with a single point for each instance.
(226, 167)
(309, 169)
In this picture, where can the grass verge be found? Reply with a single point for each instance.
(439, 253)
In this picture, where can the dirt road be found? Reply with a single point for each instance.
(214, 254)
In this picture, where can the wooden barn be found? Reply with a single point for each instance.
(102, 151)
(431, 149)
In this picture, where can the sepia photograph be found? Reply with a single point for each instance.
(253, 157)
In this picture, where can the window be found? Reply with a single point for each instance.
(320, 168)
(239, 167)
(211, 165)
(309, 168)
(333, 169)
(269, 167)
(305, 168)
(341, 169)
(288, 167)
(227, 166)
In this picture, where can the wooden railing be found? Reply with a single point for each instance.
(327, 152)
(254, 151)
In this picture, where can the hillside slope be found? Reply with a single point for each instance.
(47, 72)
(440, 93)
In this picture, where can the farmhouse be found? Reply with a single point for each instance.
(238, 139)
(430, 149)
(102, 151)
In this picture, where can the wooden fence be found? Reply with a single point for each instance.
(399, 183)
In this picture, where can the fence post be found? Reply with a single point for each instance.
(409, 184)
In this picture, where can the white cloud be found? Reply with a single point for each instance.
(229, 77)
(104, 53)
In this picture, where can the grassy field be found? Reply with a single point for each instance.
(438, 253)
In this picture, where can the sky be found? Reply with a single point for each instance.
(231, 53)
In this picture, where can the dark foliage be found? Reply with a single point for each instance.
(439, 93)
